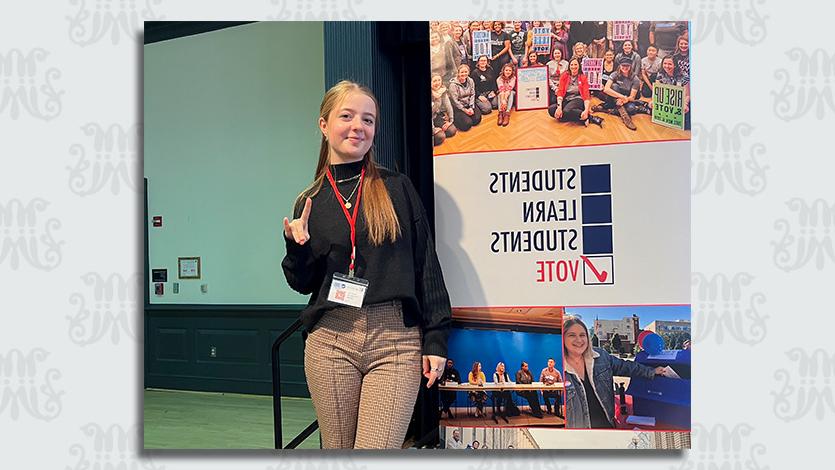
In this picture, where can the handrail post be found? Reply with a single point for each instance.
(276, 369)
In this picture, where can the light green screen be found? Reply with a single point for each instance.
(230, 140)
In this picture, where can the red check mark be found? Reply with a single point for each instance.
(600, 275)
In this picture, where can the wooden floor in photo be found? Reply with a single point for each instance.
(536, 129)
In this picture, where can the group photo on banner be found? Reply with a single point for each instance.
(561, 83)
(570, 307)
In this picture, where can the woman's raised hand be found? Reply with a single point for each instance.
(297, 229)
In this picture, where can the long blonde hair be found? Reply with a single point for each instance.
(377, 209)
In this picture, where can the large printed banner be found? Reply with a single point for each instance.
(563, 233)
(604, 225)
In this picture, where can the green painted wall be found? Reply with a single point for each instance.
(230, 140)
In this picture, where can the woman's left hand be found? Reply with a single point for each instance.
(433, 368)
(666, 372)
(584, 115)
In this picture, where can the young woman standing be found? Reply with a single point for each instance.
(378, 316)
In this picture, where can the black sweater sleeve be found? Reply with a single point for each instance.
(298, 263)
(430, 289)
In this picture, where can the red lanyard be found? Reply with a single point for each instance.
(352, 220)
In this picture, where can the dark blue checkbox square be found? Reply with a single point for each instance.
(597, 239)
(597, 209)
(595, 179)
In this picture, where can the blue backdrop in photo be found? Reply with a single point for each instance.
(511, 347)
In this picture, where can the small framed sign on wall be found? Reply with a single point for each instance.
(189, 267)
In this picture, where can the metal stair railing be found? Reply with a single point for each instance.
(276, 367)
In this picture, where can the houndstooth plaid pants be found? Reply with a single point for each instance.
(363, 370)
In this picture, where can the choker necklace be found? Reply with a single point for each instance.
(347, 200)
(348, 179)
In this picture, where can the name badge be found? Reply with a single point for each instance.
(347, 290)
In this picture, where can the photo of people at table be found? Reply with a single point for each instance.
(503, 378)
(587, 81)
(627, 367)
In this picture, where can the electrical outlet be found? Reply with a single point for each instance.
(213, 351)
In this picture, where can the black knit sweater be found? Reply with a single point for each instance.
(407, 269)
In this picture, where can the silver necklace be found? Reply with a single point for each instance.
(347, 200)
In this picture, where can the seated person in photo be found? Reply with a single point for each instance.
(442, 114)
(523, 376)
(630, 54)
(579, 51)
(650, 65)
(551, 376)
(609, 66)
(533, 57)
(450, 376)
(486, 90)
(573, 97)
(476, 377)
(556, 67)
(622, 94)
(506, 84)
(671, 75)
(501, 398)
(465, 113)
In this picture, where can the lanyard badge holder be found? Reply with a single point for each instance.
(348, 289)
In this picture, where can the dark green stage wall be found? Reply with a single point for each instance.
(179, 343)
(392, 58)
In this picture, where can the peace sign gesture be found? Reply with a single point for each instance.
(297, 229)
